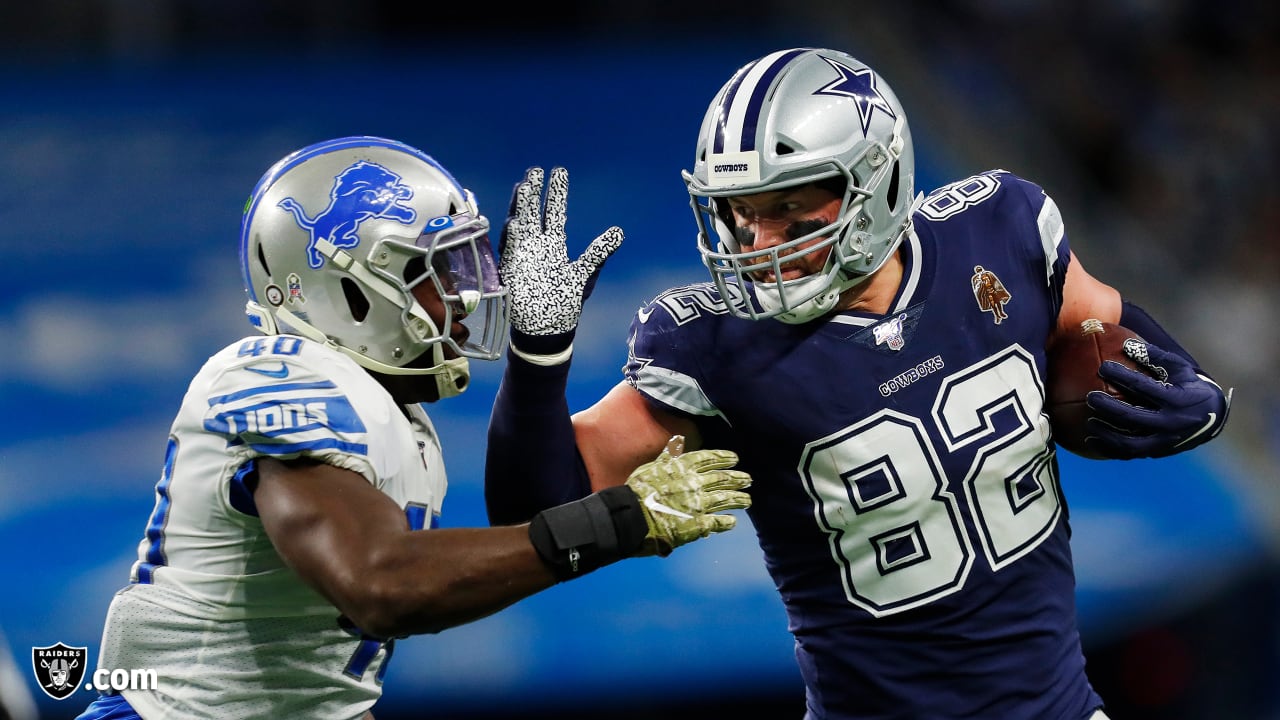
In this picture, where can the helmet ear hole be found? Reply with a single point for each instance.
(892, 194)
(357, 303)
(262, 260)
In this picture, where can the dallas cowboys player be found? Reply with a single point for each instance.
(878, 363)
(286, 549)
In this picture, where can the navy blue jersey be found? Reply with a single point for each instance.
(905, 490)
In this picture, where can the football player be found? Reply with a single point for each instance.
(877, 361)
(291, 540)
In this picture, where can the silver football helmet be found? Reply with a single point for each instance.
(787, 119)
(337, 235)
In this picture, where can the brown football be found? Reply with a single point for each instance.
(1073, 372)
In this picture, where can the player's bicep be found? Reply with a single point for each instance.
(324, 522)
(622, 431)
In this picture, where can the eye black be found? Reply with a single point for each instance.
(800, 228)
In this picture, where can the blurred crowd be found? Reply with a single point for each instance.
(1154, 123)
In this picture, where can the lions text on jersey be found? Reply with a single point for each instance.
(231, 631)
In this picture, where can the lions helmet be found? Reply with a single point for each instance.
(336, 236)
(787, 119)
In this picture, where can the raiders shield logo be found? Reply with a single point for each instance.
(59, 669)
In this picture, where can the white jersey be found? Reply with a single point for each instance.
(230, 631)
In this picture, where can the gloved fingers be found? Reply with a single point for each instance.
(521, 226)
(1125, 415)
(1107, 404)
(707, 459)
(721, 500)
(1133, 382)
(605, 244)
(1118, 445)
(1108, 448)
(557, 203)
(532, 177)
(709, 524)
(713, 481)
(592, 259)
(1160, 360)
(528, 198)
(512, 219)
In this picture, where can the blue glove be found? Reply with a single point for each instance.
(547, 290)
(1179, 411)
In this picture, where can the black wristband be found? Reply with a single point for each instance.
(584, 535)
(542, 344)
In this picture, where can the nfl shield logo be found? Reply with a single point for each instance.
(59, 669)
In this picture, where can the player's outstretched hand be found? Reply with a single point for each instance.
(547, 289)
(1165, 417)
(682, 493)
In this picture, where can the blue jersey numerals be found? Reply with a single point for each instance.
(367, 651)
(159, 517)
(278, 345)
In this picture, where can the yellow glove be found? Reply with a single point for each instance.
(680, 494)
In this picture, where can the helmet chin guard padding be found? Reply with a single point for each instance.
(791, 118)
(337, 236)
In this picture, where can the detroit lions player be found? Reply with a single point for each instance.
(877, 361)
(286, 550)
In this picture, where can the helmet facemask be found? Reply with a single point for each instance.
(454, 262)
(797, 132)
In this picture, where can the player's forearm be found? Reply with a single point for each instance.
(437, 579)
(532, 461)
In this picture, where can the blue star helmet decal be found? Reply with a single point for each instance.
(860, 86)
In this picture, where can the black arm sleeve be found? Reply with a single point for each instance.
(1141, 322)
(532, 461)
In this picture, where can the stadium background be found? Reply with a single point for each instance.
(131, 133)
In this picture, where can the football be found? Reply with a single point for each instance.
(1073, 364)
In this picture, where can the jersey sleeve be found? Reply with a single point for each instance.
(665, 349)
(285, 398)
(1045, 241)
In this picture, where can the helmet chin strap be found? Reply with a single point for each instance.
(772, 297)
(452, 376)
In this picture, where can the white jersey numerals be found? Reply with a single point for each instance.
(896, 530)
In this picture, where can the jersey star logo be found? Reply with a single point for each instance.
(859, 86)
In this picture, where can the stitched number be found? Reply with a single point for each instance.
(952, 199)
(279, 345)
(691, 301)
(896, 530)
(366, 652)
(887, 565)
(144, 571)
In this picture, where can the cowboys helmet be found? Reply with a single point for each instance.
(787, 119)
(338, 234)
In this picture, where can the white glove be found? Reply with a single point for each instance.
(546, 289)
